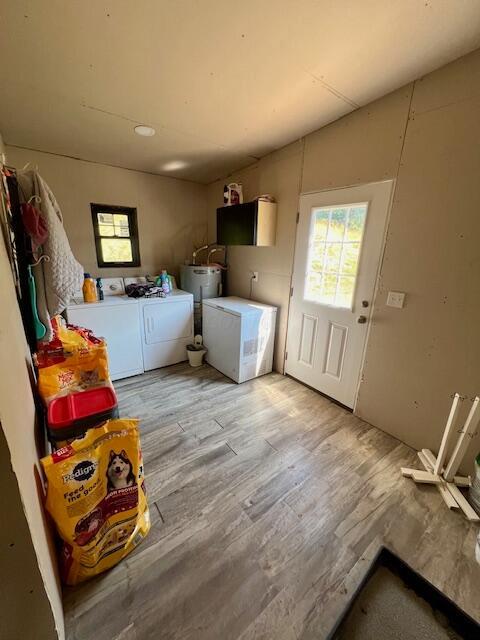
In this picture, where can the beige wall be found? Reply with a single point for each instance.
(171, 213)
(28, 589)
(25, 610)
(427, 135)
(419, 356)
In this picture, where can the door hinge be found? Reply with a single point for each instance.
(291, 292)
(298, 216)
(286, 355)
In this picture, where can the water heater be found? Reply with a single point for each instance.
(204, 282)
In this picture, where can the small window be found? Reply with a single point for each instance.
(116, 235)
(335, 240)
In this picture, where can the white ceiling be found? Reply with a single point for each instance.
(222, 81)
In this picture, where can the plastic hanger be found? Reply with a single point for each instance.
(40, 328)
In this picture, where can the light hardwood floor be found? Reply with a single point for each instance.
(266, 501)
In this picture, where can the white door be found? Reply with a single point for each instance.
(339, 243)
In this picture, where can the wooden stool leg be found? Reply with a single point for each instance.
(463, 441)
(447, 436)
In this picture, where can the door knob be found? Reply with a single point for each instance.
(362, 319)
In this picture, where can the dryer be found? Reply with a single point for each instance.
(167, 328)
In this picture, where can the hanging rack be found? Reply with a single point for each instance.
(21, 249)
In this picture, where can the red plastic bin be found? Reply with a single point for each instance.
(71, 415)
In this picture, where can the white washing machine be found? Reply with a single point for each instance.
(117, 320)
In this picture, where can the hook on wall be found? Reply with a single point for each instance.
(29, 164)
(44, 257)
(37, 199)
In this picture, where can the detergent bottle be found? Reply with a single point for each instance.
(100, 289)
(89, 290)
(165, 281)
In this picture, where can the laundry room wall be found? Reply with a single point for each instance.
(22, 585)
(171, 213)
(425, 136)
(30, 592)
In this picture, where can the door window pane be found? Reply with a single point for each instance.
(334, 251)
(321, 225)
(350, 255)
(336, 228)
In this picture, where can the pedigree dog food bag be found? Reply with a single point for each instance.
(96, 496)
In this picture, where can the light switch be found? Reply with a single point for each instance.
(395, 299)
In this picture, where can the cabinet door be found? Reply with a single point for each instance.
(165, 321)
(120, 326)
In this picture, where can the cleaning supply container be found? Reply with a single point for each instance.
(89, 289)
(196, 351)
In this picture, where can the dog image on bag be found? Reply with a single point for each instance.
(119, 471)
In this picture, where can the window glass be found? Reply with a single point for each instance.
(116, 237)
(116, 250)
(334, 252)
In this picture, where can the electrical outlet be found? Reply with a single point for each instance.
(254, 276)
(395, 299)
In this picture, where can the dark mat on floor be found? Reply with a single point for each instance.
(395, 603)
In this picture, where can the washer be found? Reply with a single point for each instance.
(117, 320)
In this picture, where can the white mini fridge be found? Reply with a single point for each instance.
(239, 335)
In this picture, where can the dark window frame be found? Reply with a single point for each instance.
(131, 213)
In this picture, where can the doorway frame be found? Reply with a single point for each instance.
(374, 305)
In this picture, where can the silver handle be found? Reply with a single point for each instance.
(362, 319)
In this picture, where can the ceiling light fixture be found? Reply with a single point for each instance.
(174, 165)
(144, 130)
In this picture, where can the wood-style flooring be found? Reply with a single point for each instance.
(266, 502)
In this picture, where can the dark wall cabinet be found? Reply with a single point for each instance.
(252, 223)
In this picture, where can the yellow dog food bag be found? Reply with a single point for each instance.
(96, 496)
(74, 360)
